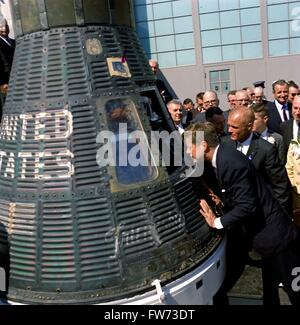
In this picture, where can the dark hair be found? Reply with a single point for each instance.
(187, 101)
(200, 95)
(292, 83)
(260, 108)
(210, 133)
(231, 92)
(280, 82)
(211, 111)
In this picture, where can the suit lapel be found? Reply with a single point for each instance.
(277, 115)
(253, 147)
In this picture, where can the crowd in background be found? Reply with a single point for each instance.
(266, 131)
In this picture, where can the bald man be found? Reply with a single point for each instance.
(210, 99)
(263, 154)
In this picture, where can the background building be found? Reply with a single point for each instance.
(218, 44)
(221, 44)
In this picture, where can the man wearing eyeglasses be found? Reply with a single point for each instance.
(210, 99)
(242, 98)
(278, 110)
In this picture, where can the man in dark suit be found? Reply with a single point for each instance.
(7, 48)
(175, 109)
(251, 216)
(217, 117)
(279, 110)
(263, 154)
(290, 129)
(260, 126)
(162, 88)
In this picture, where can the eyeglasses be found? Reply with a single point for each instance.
(242, 100)
(214, 101)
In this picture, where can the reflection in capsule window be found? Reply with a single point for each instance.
(132, 153)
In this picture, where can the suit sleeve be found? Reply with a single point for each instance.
(281, 151)
(239, 195)
(277, 178)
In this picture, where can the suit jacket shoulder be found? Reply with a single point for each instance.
(274, 119)
(252, 204)
(286, 129)
(199, 118)
(278, 143)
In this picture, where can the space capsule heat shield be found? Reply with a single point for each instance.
(75, 231)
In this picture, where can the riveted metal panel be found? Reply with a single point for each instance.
(76, 233)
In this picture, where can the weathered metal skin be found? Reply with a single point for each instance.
(73, 233)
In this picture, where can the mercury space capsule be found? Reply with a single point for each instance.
(73, 230)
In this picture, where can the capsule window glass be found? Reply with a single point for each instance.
(60, 13)
(131, 156)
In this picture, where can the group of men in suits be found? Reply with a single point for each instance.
(252, 216)
(255, 189)
(249, 159)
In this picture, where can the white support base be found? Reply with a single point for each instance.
(195, 288)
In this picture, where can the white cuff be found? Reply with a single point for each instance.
(218, 224)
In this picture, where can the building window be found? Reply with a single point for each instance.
(166, 31)
(283, 27)
(219, 80)
(230, 30)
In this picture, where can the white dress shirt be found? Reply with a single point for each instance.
(180, 128)
(279, 109)
(295, 130)
(244, 146)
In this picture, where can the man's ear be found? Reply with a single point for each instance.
(250, 125)
(205, 146)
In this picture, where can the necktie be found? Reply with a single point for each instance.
(285, 118)
(298, 135)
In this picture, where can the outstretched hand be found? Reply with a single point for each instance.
(207, 213)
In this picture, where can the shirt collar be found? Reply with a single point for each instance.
(180, 128)
(247, 142)
(6, 40)
(264, 134)
(214, 158)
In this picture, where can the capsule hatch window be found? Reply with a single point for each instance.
(132, 158)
